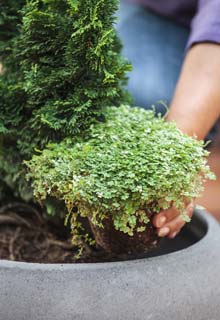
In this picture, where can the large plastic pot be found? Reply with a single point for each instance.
(180, 281)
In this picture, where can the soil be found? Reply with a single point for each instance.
(25, 235)
(118, 242)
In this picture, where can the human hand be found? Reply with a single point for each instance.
(169, 222)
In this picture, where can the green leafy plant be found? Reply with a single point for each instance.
(124, 169)
(61, 68)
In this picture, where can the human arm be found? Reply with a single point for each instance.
(195, 107)
(196, 102)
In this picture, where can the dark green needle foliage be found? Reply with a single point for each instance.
(131, 162)
(61, 68)
(11, 91)
(12, 95)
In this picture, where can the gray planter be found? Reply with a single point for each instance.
(181, 282)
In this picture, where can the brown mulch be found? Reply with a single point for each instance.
(27, 236)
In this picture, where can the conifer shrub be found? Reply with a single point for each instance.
(12, 97)
(61, 68)
(119, 173)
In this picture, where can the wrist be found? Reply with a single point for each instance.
(184, 123)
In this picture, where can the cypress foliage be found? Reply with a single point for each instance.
(62, 68)
(10, 19)
(10, 104)
(12, 96)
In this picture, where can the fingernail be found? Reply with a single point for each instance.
(163, 232)
(173, 235)
(161, 221)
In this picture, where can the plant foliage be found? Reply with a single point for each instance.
(61, 68)
(120, 167)
(63, 112)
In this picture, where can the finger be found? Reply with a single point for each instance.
(161, 218)
(173, 227)
(174, 234)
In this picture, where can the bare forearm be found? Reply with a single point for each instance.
(195, 107)
(196, 103)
